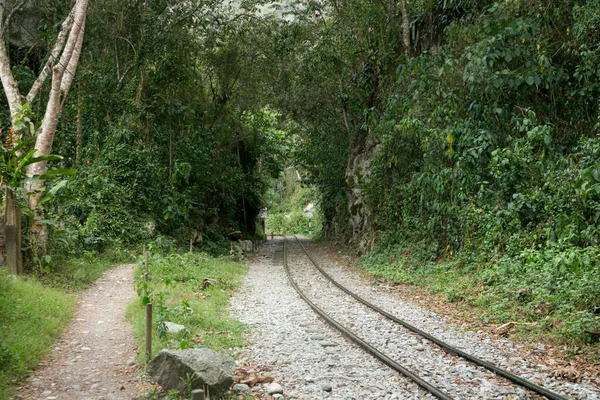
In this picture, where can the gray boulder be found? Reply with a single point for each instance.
(203, 367)
(248, 246)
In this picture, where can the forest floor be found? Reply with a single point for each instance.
(95, 357)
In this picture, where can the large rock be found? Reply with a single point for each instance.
(204, 367)
(358, 176)
(248, 246)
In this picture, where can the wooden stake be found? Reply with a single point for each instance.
(146, 261)
(198, 394)
(12, 220)
(148, 331)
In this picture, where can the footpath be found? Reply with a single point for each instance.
(95, 357)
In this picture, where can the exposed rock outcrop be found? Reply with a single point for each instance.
(358, 174)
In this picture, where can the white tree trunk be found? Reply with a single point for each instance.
(60, 80)
(405, 28)
(68, 48)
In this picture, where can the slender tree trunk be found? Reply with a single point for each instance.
(62, 79)
(79, 134)
(68, 48)
(405, 28)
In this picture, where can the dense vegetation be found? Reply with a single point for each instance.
(455, 142)
(292, 207)
(471, 157)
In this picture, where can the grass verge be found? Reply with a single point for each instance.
(36, 308)
(546, 303)
(193, 290)
(31, 319)
(76, 274)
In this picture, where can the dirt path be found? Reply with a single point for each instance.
(94, 359)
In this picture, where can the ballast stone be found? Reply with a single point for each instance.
(274, 388)
(173, 368)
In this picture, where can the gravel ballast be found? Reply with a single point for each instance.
(311, 361)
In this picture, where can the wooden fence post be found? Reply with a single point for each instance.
(198, 394)
(12, 221)
(148, 331)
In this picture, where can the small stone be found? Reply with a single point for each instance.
(318, 337)
(274, 388)
(241, 388)
(328, 344)
(76, 387)
(51, 398)
(131, 361)
(47, 393)
(172, 327)
(277, 396)
(326, 387)
(420, 348)
(94, 386)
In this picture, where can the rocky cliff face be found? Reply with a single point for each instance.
(358, 174)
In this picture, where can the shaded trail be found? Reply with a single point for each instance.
(94, 357)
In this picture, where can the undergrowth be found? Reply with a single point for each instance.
(193, 290)
(78, 273)
(556, 290)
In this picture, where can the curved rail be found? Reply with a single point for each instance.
(364, 345)
(445, 346)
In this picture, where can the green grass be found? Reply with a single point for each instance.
(559, 303)
(31, 318)
(75, 274)
(35, 309)
(175, 290)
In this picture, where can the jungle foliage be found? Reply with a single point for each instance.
(164, 124)
(481, 137)
(292, 206)
(486, 160)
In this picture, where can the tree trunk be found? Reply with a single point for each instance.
(62, 79)
(405, 28)
(12, 223)
(68, 48)
(79, 134)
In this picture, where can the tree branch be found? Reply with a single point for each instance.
(67, 80)
(43, 144)
(9, 84)
(14, 10)
(58, 47)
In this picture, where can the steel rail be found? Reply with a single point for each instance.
(360, 342)
(445, 346)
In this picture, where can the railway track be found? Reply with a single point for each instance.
(392, 360)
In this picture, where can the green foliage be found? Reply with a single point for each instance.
(31, 319)
(175, 288)
(485, 176)
(288, 200)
